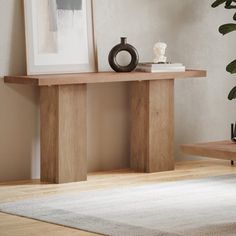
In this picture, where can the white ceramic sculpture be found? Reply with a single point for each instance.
(160, 50)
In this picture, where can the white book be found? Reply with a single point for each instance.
(157, 66)
(151, 70)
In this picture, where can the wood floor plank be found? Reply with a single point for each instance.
(19, 226)
(12, 191)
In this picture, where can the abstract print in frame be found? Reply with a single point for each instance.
(59, 36)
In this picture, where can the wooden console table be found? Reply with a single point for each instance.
(64, 125)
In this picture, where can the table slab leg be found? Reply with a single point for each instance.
(152, 125)
(63, 133)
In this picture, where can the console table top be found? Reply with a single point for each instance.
(101, 77)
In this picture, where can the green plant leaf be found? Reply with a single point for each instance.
(217, 3)
(230, 7)
(227, 28)
(235, 16)
(228, 3)
(232, 94)
(231, 68)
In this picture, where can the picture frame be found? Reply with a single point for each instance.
(59, 36)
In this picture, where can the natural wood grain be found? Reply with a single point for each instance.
(103, 77)
(152, 125)
(72, 133)
(49, 123)
(63, 120)
(219, 150)
(161, 126)
(63, 133)
(13, 191)
(18, 226)
(139, 125)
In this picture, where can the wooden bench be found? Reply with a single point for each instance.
(225, 150)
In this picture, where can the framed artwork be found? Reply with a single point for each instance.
(59, 36)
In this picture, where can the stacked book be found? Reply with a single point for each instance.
(157, 67)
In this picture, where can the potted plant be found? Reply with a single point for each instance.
(231, 68)
(225, 29)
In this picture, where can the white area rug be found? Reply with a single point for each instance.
(191, 208)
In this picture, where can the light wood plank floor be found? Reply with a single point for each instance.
(13, 191)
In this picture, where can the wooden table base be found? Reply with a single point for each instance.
(152, 125)
(63, 133)
(63, 129)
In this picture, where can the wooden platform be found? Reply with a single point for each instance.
(220, 150)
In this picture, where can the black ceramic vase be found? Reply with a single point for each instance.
(233, 132)
(123, 46)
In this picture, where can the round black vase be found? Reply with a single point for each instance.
(123, 46)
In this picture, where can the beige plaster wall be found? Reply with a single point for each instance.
(202, 110)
